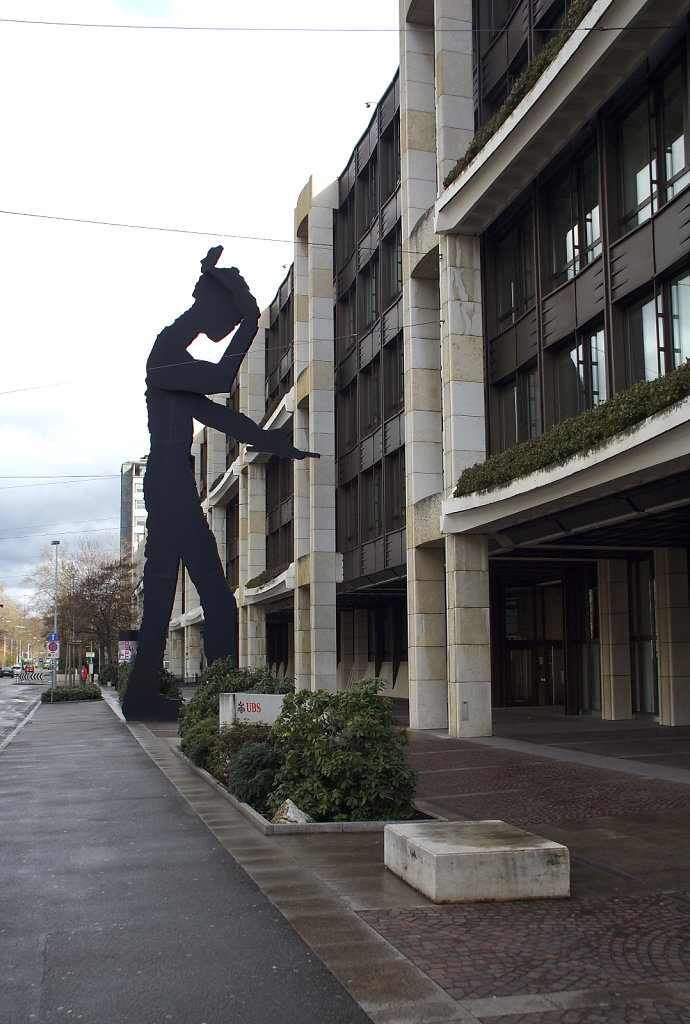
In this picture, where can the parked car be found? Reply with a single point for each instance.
(16, 669)
(6, 670)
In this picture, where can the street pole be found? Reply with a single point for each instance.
(56, 544)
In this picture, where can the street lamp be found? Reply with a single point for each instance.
(56, 544)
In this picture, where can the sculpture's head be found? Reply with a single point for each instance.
(214, 297)
(217, 313)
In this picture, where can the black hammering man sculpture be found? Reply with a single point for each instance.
(177, 530)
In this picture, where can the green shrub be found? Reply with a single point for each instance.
(229, 741)
(168, 686)
(105, 676)
(252, 771)
(199, 741)
(223, 676)
(524, 83)
(85, 691)
(578, 434)
(344, 756)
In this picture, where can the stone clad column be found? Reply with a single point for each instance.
(426, 631)
(316, 559)
(614, 631)
(454, 81)
(673, 631)
(467, 561)
(469, 638)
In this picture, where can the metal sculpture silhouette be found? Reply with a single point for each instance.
(177, 530)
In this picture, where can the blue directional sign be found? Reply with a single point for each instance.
(52, 636)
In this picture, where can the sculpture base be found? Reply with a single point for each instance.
(150, 708)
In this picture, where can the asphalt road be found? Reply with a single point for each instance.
(118, 903)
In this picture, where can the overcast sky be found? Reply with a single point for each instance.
(204, 131)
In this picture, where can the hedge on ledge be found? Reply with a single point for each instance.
(526, 81)
(85, 691)
(578, 434)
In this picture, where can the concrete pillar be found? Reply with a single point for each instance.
(454, 81)
(469, 638)
(673, 632)
(192, 650)
(302, 635)
(426, 633)
(614, 632)
(464, 437)
(321, 473)
(252, 531)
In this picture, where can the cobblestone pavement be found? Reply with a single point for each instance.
(618, 951)
(481, 782)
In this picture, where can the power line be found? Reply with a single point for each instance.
(52, 481)
(185, 231)
(311, 29)
(294, 29)
(62, 533)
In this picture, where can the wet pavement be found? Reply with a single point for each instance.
(617, 794)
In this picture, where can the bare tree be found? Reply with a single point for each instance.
(94, 595)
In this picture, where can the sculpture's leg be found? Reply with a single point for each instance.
(143, 700)
(200, 556)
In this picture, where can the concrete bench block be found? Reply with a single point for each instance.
(467, 861)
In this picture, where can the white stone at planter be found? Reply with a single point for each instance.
(289, 814)
(465, 861)
(256, 708)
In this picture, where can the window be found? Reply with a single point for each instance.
(345, 230)
(346, 401)
(390, 159)
(372, 511)
(514, 271)
(392, 265)
(346, 325)
(367, 197)
(279, 512)
(348, 516)
(395, 490)
(393, 379)
(370, 392)
(658, 331)
(645, 340)
(680, 318)
(580, 375)
(232, 546)
(368, 293)
(519, 408)
(575, 225)
(653, 149)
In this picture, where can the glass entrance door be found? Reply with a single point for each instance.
(534, 671)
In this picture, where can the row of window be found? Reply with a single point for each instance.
(650, 167)
(375, 184)
(376, 393)
(655, 335)
(373, 503)
(374, 289)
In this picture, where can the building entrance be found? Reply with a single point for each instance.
(545, 639)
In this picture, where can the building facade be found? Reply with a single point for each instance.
(439, 312)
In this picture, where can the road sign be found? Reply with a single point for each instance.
(53, 647)
(52, 637)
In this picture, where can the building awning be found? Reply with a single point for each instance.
(594, 62)
(632, 491)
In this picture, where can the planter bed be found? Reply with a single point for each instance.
(269, 829)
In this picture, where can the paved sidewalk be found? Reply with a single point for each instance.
(118, 905)
(617, 951)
